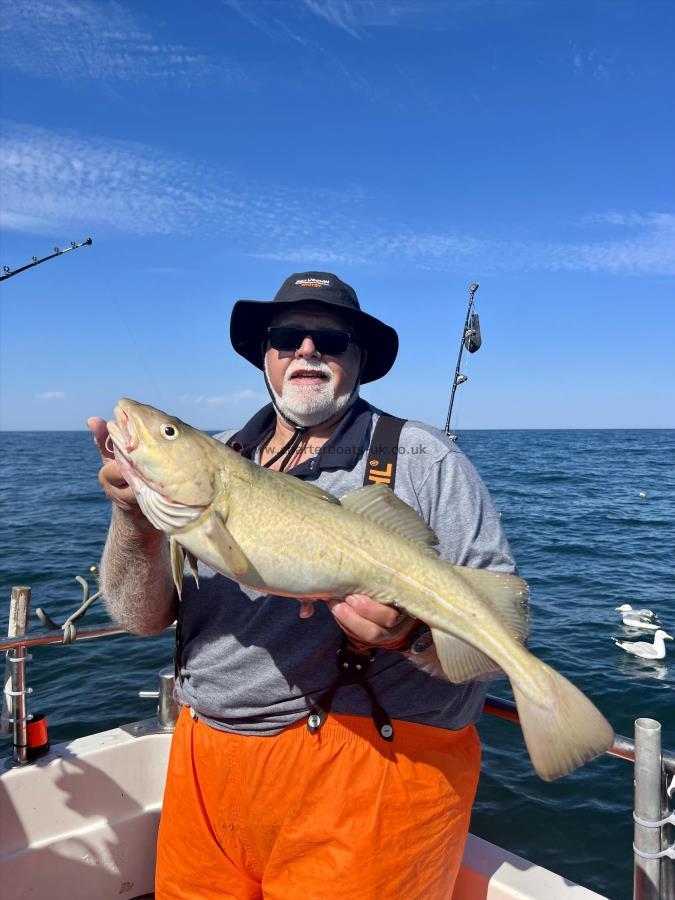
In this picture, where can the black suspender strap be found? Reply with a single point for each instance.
(383, 451)
(352, 665)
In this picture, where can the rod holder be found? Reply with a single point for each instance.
(167, 707)
(648, 778)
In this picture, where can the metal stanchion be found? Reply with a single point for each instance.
(19, 608)
(15, 688)
(167, 708)
(648, 778)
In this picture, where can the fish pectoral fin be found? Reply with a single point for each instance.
(216, 533)
(460, 661)
(380, 504)
(192, 562)
(177, 564)
(509, 595)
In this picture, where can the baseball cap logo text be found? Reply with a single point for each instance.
(312, 282)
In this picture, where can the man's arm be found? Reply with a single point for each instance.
(136, 579)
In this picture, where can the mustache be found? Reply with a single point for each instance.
(308, 365)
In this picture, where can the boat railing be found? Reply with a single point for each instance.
(654, 767)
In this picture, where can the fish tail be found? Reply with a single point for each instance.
(567, 731)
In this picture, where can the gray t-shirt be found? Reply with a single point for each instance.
(250, 665)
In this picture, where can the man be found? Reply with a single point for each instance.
(291, 776)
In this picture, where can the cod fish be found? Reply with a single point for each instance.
(280, 535)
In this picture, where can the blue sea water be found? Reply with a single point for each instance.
(584, 537)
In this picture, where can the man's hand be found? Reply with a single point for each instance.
(110, 477)
(366, 622)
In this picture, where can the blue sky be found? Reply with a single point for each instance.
(210, 149)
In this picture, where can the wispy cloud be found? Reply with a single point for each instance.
(91, 39)
(55, 182)
(649, 251)
(355, 16)
(339, 13)
(589, 62)
(259, 15)
(236, 397)
(653, 220)
(51, 395)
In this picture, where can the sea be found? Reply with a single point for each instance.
(591, 520)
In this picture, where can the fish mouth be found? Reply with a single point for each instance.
(122, 433)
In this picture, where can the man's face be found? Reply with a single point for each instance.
(309, 386)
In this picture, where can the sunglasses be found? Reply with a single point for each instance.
(327, 341)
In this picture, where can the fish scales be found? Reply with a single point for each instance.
(340, 553)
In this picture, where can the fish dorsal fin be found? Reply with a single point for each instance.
(380, 504)
(508, 595)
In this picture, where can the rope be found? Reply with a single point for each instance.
(68, 627)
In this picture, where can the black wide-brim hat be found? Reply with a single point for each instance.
(251, 318)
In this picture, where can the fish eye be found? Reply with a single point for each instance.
(170, 432)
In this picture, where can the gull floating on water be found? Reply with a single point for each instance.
(657, 650)
(640, 624)
(638, 618)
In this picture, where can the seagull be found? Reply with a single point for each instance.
(640, 624)
(644, 650)
(637, 618)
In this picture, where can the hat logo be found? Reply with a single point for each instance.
(312, 282)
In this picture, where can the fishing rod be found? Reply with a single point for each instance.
(471, 339)
(7, 272)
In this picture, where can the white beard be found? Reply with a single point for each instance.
(309, 404)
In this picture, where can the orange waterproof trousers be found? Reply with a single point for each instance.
(338, 814)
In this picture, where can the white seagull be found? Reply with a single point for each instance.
(638, 618)
(657, 650)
